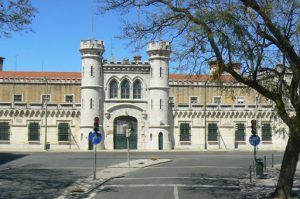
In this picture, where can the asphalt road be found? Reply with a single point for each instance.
(189, 175)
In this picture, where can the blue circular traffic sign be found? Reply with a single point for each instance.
(95, 138)
(254, 140)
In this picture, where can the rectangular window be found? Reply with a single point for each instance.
(240, 100)
(185, 134)
(160, 104)
(193, 100)
(217, 100)
(4, 131)
(160, 72)
(34, 131)
(45, 98)
(212, 132)
(266, 133)
(18, 98)
(171, 101)
(69, 98)
(63, 132)
(240, 132)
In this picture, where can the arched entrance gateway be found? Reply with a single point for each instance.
(120, 141)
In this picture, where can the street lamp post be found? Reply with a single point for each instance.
(46, 107)
(205, 132)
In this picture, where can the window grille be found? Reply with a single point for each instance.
(34, 131)
(266, 133)
(125, 90)
(137, 89)
(193, 100)
(185, 134)
(113, 89)
(63, 132)
(240, 132)
(69, 98)
(217, 100)
(4, 131)
(17, 98)
(212, 132)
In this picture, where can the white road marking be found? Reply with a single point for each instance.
(176, 195)
(171, 185)
(196, 178)
(189, 167)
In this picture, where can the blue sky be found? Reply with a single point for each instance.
(58, 28)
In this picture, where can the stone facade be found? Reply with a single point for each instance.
(165, 111)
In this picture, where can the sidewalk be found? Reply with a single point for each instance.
(262, 188)
(83, 187)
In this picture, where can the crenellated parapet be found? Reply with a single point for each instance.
(90, 48)
(158, 50)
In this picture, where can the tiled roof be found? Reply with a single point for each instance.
(198, 77)
(77, 75)
(39, 75)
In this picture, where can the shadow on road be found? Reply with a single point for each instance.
(8, 157)
(30, 182)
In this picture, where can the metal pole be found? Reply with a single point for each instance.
(46, 110)
(205, 131)
(250, 173)
(272, 160)
(128, 152)
(95, 159)
(255, 153)
(265, 163)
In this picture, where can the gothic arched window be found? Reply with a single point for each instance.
(113, 89)
(125, 89)
(137, 89)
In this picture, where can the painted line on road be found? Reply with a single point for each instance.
(176, 194)
(172, 185)
(191, 167)
(196, 178)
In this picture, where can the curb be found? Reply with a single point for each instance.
(84, 187)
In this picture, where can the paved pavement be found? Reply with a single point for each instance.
(85, 187)
(188, 175)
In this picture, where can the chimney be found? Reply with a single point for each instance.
(237, 67)
(137, 58)
(1, 63)
(214, 67)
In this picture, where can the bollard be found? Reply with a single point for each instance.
(272, 160)
(253, 167)
(259, 167)
(265, 163)
(250, 173)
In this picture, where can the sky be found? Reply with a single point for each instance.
(58, 28)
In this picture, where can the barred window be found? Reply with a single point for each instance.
(34, 131)
(17, 98)
(63, 132)
(92, 71)
(266, 133)
(4, 131)
(240, 132)
(69, 98)
(113, 89)
(193, 100)
(125, 89)
(212, 132)
(137, 89)
(45, 98)
(185, 134)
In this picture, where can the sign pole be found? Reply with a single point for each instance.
(255, 153)
(95, 158)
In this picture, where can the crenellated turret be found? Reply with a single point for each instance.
(91, 88)
(159, 129)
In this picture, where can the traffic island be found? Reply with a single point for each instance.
(82, 188)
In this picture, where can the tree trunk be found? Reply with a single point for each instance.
(288, 167)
